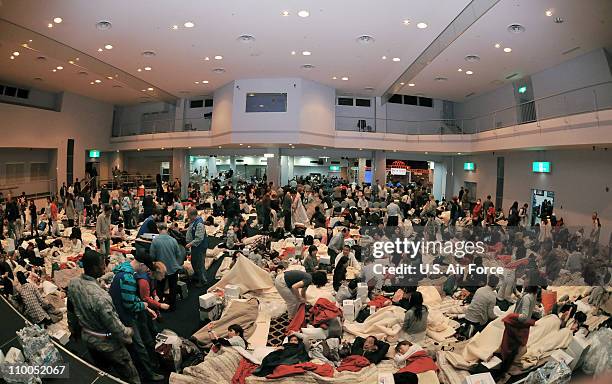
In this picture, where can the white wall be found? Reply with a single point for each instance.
(195, 116)
(130, 118)
(317, 112)
(85, 120)
(477, 112)
(26, 182)
(579, 179)
(223, 108)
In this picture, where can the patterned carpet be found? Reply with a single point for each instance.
(277, 330)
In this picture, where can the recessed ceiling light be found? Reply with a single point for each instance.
(251, 94)
(189, 24)
(162, 148)
(15, 53)
(285, 13)
(402, 83)
(307, 66)
(246, 39)
(91, 82)
(109, 77)
(472, 58)
(147, 68)
(219, 146)
(468, 72)
(149, 89)
(460, 70)
(507, 50)
(12, 57)
(188, 147)
(497, 45)
(241, 145)
(175, 27)
(559, 20)
(345, 78)
(103, 25)
(60, 67)
(334, 78)
(549, 12)
(218, 70)
(196, 82)
(396, 59)
(422, 25)
(97, 81)
(293, 52)
(100, 49)
(218, 57)
(306, 53)
(248, 146)
(70, 62)
(303, 13)
(458, 153)
(57, 20)
(108, 46)
(138, 149)
(50, 25)
(365, 39)
(206, 58)
(411, 84)
(384, 57)
(261, 105)
(143, 90)
(204, 81)
(516, 28)
(406, 22)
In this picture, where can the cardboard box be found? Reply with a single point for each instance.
(481, 378)
(232, 291)
(325, 260)
(362, 291)
(577, 349)
(61, 336)
(182, 290)
(561, 356)
(208, 300)
(205, 314)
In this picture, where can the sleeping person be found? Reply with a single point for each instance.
(371, 348)
(292, 352)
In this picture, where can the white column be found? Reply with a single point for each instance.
(439, 180)
(362, 170)
(273, 167)
(180, 168)
(379, 165)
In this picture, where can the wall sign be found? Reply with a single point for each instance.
(541, 166)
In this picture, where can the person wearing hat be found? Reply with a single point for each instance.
(133, 311)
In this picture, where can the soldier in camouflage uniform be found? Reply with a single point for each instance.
(92, 316)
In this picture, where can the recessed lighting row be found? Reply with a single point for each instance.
(187, 24)
(420, 25)
(395, 59)
(344, 78)
(203, 82)
(148, 89)
(301, 13)
(56, 20)
(506, 49)
(107, 47)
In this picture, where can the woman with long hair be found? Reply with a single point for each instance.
(415, 319)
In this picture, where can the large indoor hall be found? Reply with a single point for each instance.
(306, 192)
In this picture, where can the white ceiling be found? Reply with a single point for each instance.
(330, 33)
(587, 24)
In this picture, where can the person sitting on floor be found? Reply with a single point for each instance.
(371, 348)
(34, 304)
(480, 310)
(415, 319)
(311, 263)
(292, 352)
(340, 272)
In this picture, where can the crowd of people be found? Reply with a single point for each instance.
(117, 321)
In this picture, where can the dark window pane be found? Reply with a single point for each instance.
(410, 100)
(266, 102)
(10, 91)
(425, 102)
(345, 101)
(396, 99)
(208, 102)
(196, 103)
(362, 102)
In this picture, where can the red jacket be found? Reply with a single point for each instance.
(322, 312)
(324, 370)
(353, 363)
(516, 334)
(244, 370)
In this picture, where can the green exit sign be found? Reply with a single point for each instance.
(94, 153)
(334, 168)
(541, 167)
(522, 89)
(468, 166)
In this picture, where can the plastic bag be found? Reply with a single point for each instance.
(553, 372)
(598, 358)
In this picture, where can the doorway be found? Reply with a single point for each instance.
(472, 187)
(542, 204)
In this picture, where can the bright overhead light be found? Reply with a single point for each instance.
(507, 50)
(306, 53)
(422, 25)
(241, 144)
(549, 12)
(109, 77)
(248, 146)
(460, 70)
(188, 147)
(50, 25)
(204, 81)
(345, 78)
(100, 49)
(303, 13)
(15, 53)
(139, 69)
(57, 20)
(384, 57)
(206, 58)
(293, 52)
(12, 57)
(189, 24)
(334, 78)
(411, 84)
(108, 46)
(196, 82)
(91, 82)
(468, 72)
(285, 13)
(97, 81)
(218, 57)
(70, 62)
(402, 83)
(147, 68)
(396, 59)
(149, 89)
(219, 146)
(175, 27)
(143, 90)
(60, 67)
(406, 22)
(251, 94)
(497, 45)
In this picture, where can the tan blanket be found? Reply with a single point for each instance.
(239, 312)
(247, 275)
(385, 324)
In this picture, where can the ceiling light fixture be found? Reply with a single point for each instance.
(293, 52)
(15, 53)
(108, 46)
(218, 57)
(206, 58)
(384, 57)
(70, 62)
(50, 25)
(422, 25)
(246, 39)
(285, 13)
(345, 78)
(148, 53)
(109, 77)
(196, 82)
(396, 59)
(100, 49)
(411, 84)
(406, 22)
(241, 144)
(57, 20)
(12, 57)
(103, 25)
(306, 53)
(402, 83)
(303, 13)
(143, 90)
(334, 78)
(365, 39)
(149, 89)
(204, 81)
(175, 27)
(189, 24)
(469, 72)
(97, 81)
(147, 68)
(60, 67)
(549, 12)
(460, 70)
(91, 82)
(54, 70)
(497, 45)
(507, 50)
(559, 20)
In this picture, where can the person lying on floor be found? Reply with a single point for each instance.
(411, 359)
(325, 350)
(371, 348)
(292, 352)
(235, 338)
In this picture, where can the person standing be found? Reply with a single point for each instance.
(595, 229)
(523, 215)
(63, 191)
(287, 204)
(79, 207)
(12, 214)
(166, 249)
(70, 210)
(197, 244)
(336, 243)
(33, 218)
(394, 213)
(103, 229)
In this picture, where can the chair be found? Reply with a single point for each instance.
(361, 124)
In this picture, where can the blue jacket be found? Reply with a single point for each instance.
(124, 292)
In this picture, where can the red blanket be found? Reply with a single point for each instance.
(298, 321)
(419, 362)
(324, 370)
(322, 312)
(244, 370)
(379, 302)
(516, 334)
(353, 363)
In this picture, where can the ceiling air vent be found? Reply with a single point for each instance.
(570, 51)
(441, 78)
(148, 53)
(218, 70)
(246, 39)
(512, 76)
(83, 73)
(470, 94)
(103, 25)
(516, 28)
(472, 58)
(41, 58)
(308, 67)
(369, 89)
(559, 20)
(365, 39)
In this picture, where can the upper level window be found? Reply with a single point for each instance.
(208, 103)
(410, 100)
(347, 101)
(266, 102)
(396, 99)
(425, 102)
(196, 103)
(362, 102)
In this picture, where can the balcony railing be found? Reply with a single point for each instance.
(582, 100)
(147, 127)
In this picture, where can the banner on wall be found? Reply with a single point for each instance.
(398, 168)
